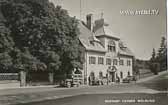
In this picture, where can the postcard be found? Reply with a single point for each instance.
(83, 52)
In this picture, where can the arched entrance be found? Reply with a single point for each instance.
(111, 74)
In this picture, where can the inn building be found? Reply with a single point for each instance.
(106, 56)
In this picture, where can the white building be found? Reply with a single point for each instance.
(106, 56)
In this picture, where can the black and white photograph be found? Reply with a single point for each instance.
(83, 52)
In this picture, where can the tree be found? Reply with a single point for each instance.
(6, 46)
(159, 62)
(48, 33)
(162, 54)
(153, 58)
(162, 47)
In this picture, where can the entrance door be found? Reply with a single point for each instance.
(112, 76)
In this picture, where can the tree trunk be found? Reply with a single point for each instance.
(22, 78)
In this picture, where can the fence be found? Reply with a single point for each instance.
(145, 73)
(9, 76)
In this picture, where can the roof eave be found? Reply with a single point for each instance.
(96, 50)
(108, 36)
(130, 55)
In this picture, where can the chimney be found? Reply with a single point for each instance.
(89, 21)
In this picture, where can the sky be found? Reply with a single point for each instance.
(141, 31)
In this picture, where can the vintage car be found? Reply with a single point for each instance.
(74, 81)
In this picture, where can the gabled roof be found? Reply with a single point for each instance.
(91, 43)
(88, 39)
(105, 31)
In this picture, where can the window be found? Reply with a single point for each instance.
(121, 62)
(100, 60)
(108, 61)
(111, 46)
(121, 74)
(92, 60)
(115, 62)
(128, 63)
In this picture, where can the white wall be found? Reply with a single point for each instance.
(96, 68)
(124, 68)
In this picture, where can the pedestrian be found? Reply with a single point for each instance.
(89, 80)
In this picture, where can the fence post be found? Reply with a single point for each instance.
(22, 78)
(51, 77)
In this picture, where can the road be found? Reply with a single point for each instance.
(160, 83)
(109, 99)
(117, 94)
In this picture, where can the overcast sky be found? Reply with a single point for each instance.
(141, 33)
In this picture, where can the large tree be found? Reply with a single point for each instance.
(48, 33)
(6, 46)
(162, 54)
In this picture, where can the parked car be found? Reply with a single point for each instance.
(128, 79)
(73, 81)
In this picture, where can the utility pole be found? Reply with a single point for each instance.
(80, 9)
(167, 26)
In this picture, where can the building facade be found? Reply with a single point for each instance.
(106, 56)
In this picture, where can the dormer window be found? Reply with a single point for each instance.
(93, 40)
(122, 46)
(111, 46)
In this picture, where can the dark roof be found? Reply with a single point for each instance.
(123, 50)
(88, 39)
(102, 29)
(91, 43)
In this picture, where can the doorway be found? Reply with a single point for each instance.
(112, 76)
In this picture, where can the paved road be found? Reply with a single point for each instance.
(137, 98)
(159, 83)
(40, 94)
(148, 89)
(109, 99)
